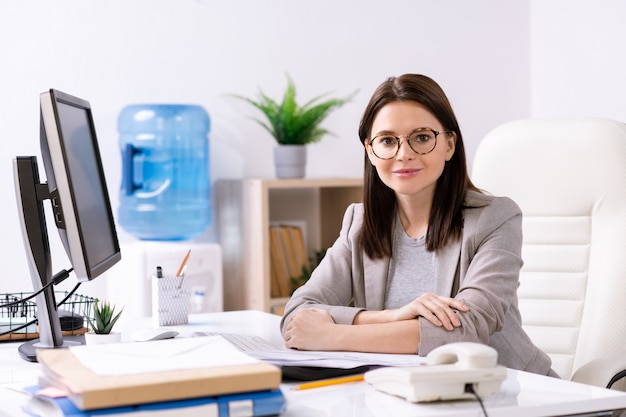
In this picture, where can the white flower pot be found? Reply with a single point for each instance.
(100, 339)
(290, 161)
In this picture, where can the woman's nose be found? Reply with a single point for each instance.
(404, 151)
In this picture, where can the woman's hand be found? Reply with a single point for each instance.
(309, 329)
(440, 311)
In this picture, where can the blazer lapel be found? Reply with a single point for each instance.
(447, 262)
(375, 278)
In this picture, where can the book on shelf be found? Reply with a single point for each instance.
(251, 404)
(297, 239)
(173, 369)
(279, 268)
(288, 257)
(289, 252)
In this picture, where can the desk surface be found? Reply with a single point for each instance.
(522, 395)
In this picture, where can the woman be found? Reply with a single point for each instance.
(427, 259)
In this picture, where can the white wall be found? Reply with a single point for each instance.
(118, 52)
(578, 59)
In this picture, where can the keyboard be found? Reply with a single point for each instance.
(244, 342)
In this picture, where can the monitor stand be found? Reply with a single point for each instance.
(31, 193)
(28, 350)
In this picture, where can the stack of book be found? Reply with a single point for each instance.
(160, 378)
(289, 259)
(262, 403)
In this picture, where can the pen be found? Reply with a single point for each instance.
(327, 382)
(183, 264)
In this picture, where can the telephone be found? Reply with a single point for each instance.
(448, 374)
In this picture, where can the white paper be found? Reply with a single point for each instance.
(292, 357)
(160, 355)
(329, 359)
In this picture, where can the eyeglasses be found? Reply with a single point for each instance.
(422, 141)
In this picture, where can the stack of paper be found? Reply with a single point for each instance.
(131, 374)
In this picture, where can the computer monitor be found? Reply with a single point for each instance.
(77, 191)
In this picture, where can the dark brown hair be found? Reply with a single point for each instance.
(446, 217)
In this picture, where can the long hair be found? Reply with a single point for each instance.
(446, 217)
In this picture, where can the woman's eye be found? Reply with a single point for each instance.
(388, 140)
(421, 136)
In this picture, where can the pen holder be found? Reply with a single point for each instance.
(170, 298)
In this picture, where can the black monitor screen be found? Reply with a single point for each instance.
(77, 185)
(87, 187)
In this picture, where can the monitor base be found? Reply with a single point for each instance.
(28, 350)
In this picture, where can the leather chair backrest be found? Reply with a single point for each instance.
(569, 178)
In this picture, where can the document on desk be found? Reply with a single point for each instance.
(160, 355)
(291, 357)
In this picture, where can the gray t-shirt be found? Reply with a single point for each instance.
(411, 269)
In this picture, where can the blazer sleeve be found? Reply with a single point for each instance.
(487, 276)
(331, 284)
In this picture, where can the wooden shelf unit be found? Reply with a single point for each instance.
(245, 210)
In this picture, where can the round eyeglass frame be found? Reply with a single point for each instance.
(399, 142)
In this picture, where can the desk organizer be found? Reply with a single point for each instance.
(19, 320)
(170, 297)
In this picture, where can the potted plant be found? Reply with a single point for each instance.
(297, 282)
(294, 126)
(102, 324)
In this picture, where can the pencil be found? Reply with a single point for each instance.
(327, 382)
(183, 264)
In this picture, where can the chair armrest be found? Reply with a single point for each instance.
(602, 372)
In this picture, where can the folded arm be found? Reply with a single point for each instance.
(314, 329)
(386, 331)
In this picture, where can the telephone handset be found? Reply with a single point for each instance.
(450, 370)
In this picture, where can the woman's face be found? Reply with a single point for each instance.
(409, 173)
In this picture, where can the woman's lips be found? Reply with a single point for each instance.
(407, 172)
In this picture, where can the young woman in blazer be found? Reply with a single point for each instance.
(427, 258)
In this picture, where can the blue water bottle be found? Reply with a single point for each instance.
(165, 190)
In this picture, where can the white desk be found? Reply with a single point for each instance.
(523, 394)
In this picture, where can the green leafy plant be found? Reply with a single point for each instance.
(104, 317)
(292, 124)
(306, 271)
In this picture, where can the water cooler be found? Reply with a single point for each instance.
(165, 204)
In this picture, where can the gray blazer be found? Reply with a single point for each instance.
(482, 269)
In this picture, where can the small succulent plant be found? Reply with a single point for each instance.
(104, 317)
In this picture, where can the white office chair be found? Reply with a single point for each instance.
(569, 178)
